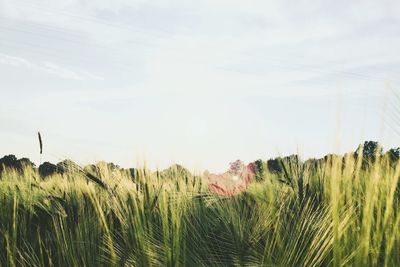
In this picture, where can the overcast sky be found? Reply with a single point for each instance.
(200, 83)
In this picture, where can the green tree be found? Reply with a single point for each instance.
(46, 169)
(259, 170)
(370, 149)
(394, 154)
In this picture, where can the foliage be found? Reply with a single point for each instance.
(11, 161)
(46, 169)
(260, 170)
(394, 154)
(330, 212)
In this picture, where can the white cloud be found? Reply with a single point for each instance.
(8, 9)
(47, 67)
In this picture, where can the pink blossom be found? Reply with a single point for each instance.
(233, 181)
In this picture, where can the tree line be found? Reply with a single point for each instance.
(368, 151)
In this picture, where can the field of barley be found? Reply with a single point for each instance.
(338, 211)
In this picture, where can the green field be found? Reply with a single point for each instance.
(339, 211)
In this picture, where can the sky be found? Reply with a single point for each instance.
(198, 83)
